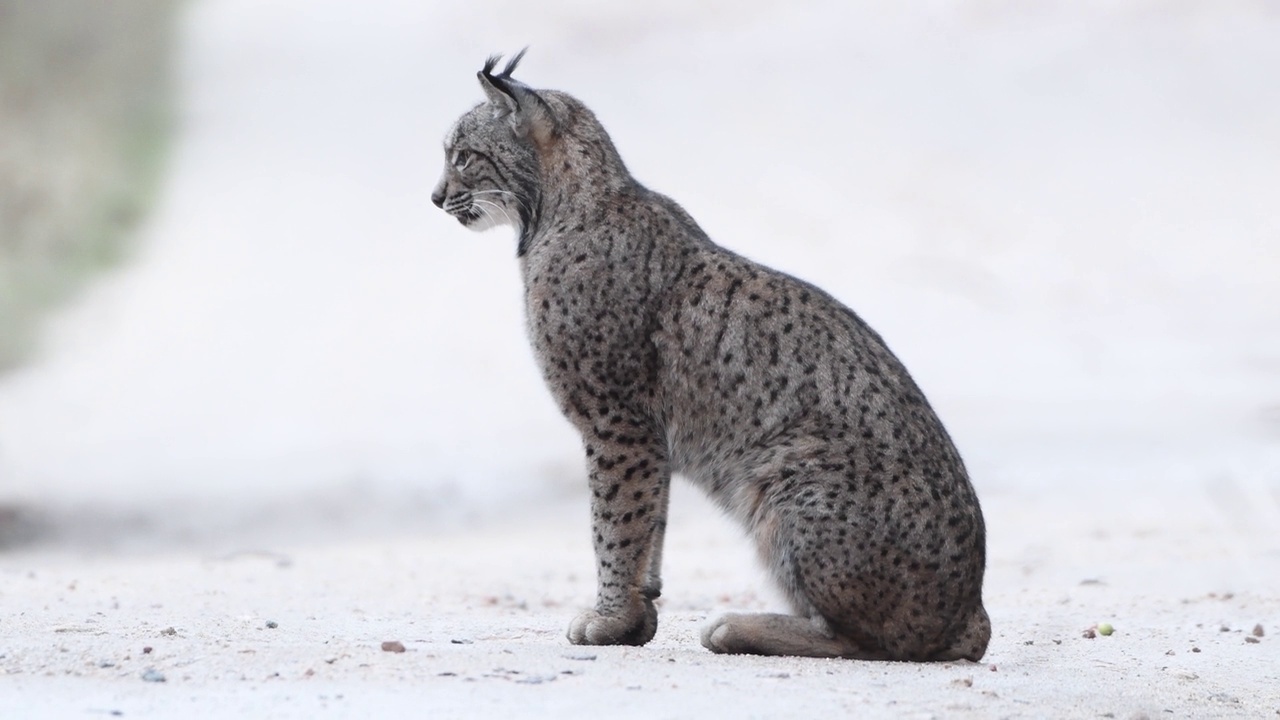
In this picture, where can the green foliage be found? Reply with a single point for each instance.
(85, 92)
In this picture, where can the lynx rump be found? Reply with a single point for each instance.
(671, 354)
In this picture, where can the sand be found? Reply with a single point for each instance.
(275, 630)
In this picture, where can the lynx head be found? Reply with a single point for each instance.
(491, 174)
(506, 155)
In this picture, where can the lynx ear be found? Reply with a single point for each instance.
(497, 88)
(524, 109)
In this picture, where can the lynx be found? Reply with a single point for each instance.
(670, 354)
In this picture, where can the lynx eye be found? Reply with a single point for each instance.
(461, 159)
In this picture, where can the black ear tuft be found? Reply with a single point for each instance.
(527, 111)
(498, 87)
(490, 64)
(513, 62)
(502, 81)
(493, 61)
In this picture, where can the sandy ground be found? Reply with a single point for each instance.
(309, 401)
(275, 630)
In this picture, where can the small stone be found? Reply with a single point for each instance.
(392, 646)
(1251, 639)
(272, 624)
(460, 642)
(146, 650)
(1090, 633)
(1258, 631)
(153, 675)
(1195, 649)
(169, 631)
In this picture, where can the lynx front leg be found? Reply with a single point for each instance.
(630, 478)
(653, 583)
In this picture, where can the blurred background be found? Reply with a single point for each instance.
(227, 307)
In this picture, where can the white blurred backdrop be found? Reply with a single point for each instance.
(1064, 217)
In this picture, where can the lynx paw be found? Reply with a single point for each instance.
(594, 628)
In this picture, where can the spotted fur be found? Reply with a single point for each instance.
(671, 354)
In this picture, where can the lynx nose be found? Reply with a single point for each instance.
(437, 197)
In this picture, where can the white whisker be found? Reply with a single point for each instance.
(482, 205)
(503, 193)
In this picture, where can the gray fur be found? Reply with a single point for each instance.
(671, 354)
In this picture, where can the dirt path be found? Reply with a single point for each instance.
(297, 632)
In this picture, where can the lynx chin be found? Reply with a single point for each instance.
(671, 354)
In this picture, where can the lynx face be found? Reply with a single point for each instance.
(491, 173)
(480, 187)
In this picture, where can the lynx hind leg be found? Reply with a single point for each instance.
(971, 642)
(773, 634)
